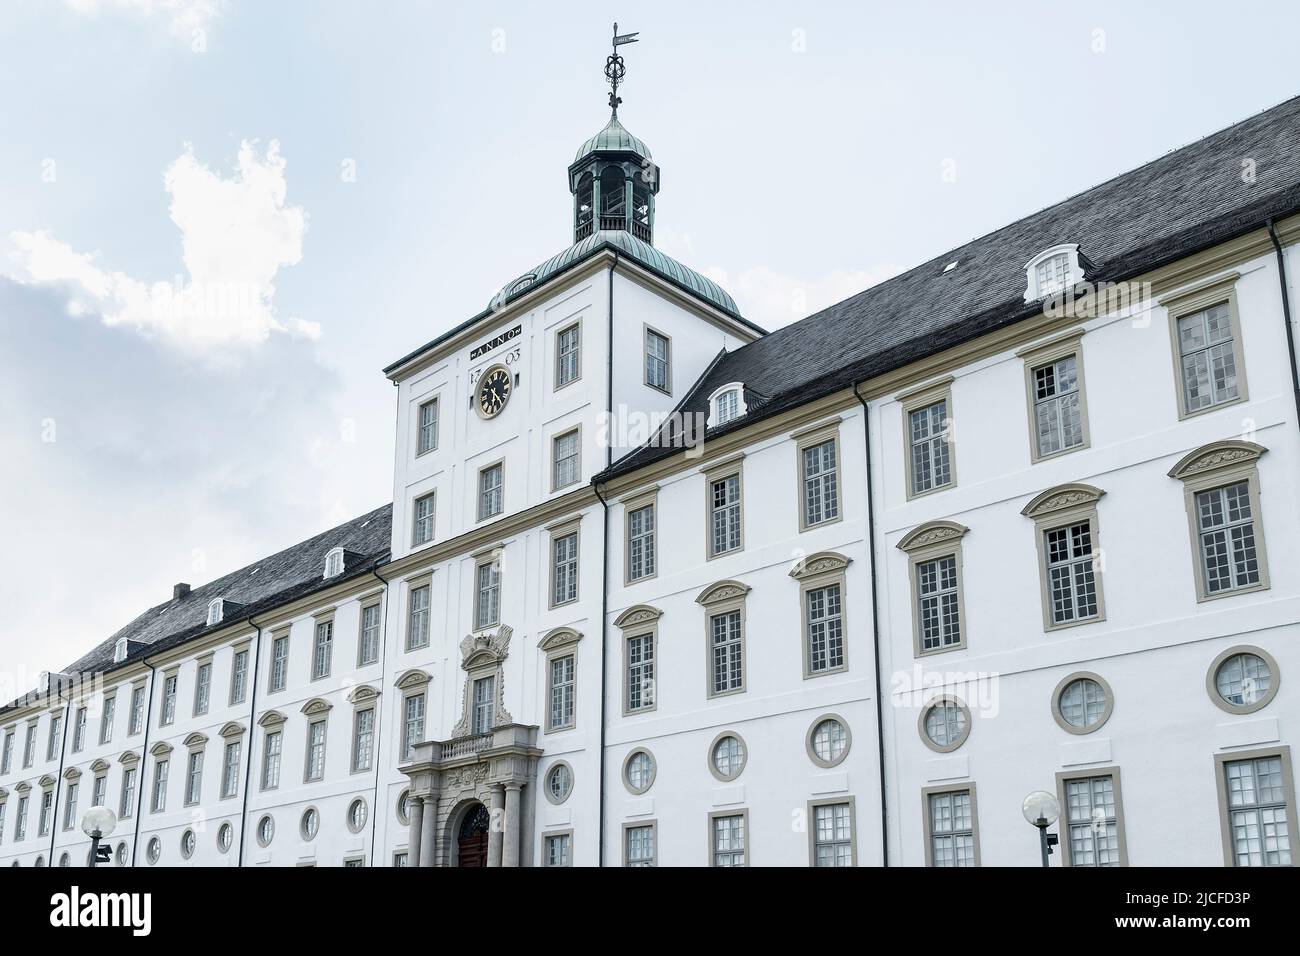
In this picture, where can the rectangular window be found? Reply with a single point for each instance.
(1226, 526)
(821, 496)
(929, 454)
(413, 724)
(562, 674)
(825, 629)
(487, 608)
(422, 518)
(568, 355)
(1058, 413)
(271, 747)
(484, 705)
(558, 850)
(1091, 811)
(417, 625)
(641, 542)
(567, 467)
(29, 745)
(203, 688)
(951, 828)
(322, 652)
(639, 845)
(47, 810)
(833, 834)
(658, 361)
(640, 672)
(230, 770)
(401, 860)
(70, 806)
(728, 834)
(315, 751)
(428, 437)
(1208, 358)
(1071, 578)
(126, 806)
(363, 739)
(194, 778)
(490, 481)
(54, 742)
(1259, 820)
(20, 824)
(106, 720)
(137, 710)
(99, 791)
(79, 731)
(7, 758)
(168, 714)
(279, 662)
(158, 803)
(725, 530)
(368, 642)
(239, 677)
(564, 569)
(725, 652)
(937, 604)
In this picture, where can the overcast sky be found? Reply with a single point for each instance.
(320, 187)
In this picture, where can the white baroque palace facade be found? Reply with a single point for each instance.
(659, 588)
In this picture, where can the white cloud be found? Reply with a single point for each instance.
(773, 299)
(236, 234)
(184, 16)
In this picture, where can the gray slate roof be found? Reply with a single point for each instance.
(261, 586)
(1188, 200)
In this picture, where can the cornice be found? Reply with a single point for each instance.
(1215, 456)
(722, 591)
(637, 615)
(931, 533)
(558, 637)
(1061, 498)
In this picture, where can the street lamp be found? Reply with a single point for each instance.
(98, 823)
(1042, 810)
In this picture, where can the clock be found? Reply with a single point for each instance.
(494, 387)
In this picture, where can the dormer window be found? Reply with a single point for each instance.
(334, 563)
(726, 404)
(215, 610)
(119, 650)
(1053, 271)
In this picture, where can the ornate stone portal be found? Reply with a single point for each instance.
(452, 779)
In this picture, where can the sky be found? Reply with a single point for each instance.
(220, 219)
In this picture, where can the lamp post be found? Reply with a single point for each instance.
(1042, 810)
(98, 823)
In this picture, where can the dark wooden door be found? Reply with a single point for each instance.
(472, 841)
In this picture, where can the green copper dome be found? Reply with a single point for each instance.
(633, 248)
(613, 138)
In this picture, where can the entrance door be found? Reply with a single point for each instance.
(472, 844)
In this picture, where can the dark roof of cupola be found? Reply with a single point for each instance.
(614, 138)
(1188, 200)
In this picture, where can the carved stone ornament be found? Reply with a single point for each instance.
(722, 591)
(637, 615)
(485, 649)
(932, 533)
(363, 694)
(559, 637)
(1060, 498)
(479, 655)
(466, 777)
(823, 562)
(231, 730)
(100, 765)
(1216, 455)
(272, 718)
(317, 705)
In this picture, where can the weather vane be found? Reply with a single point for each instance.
(614, 68)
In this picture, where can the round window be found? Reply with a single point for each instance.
(357, 815)
(727, 757)
(559, 782)
(225, 836)
(945, 724)
(265, 830)
(153, 852)
(121, 854)
(1083, 703)
(65, 860)
(1243, 679)
(639, 771)
(309, 826)
(828, 741)
(404, 808)
(187, 844)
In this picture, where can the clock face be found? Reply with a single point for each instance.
(494, 391)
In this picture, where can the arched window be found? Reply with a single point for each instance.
(215, 611)
(1052, 271)
(583, 211)
(613, 205)
(640, 208)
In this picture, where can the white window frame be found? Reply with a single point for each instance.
(1065, 507)
(1035, 289)
(491, 498)
(561, 377)
(914, 402)
(735, 406)
(926, 544)
(559, 481)
(426, 432)
(827, 482)
(927, 821)
(419, 613)
(648, 539)
(564, 573)
(651, 335)
(1068, 826)
(813, 833)
(1188, 302)
(423, 523)
(719, 515)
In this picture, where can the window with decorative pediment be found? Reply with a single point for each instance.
(483, 705)
(724, 636)
(1069, 554)
(821, 578)
(561, 648)
(640, 627)
(934, 561)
